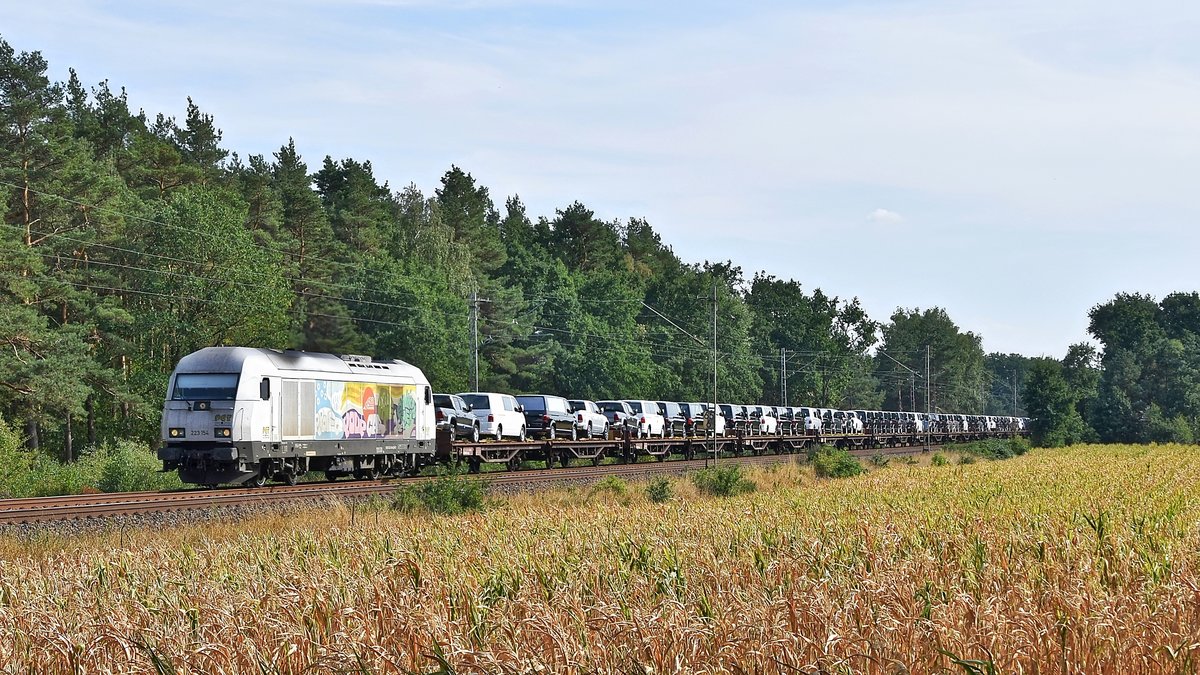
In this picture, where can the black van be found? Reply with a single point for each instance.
(548, 416)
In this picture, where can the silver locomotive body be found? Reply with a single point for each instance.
(240, 414)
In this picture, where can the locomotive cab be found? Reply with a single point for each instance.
(216, 410)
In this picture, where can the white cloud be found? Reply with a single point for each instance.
(885, 217)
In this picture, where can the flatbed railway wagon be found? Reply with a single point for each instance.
(248, 415)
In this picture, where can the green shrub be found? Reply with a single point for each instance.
(610, 485)
(723, 481)
(448, 494)
(879, 459)
(966, 459)
(993, 448)
(939, 459)
(123, 466)
(128, 467)
(830, 462)
(911, 460)
(659, 490)
(1018, 446)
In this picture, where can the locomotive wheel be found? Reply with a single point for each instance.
(259, 480)
(330, 476)
(596, 460)
(514, 464)
(473, 464)
(289, 477)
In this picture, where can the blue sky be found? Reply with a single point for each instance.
(1015, 162)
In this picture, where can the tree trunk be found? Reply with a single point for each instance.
(31, 435)
(91, 419)
(68, 445)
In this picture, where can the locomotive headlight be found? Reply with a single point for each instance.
(223, 432)
(176, 432)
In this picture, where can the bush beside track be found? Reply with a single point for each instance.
(121, 466)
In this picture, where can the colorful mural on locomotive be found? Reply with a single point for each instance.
(365, 410)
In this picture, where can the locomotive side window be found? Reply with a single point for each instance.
(205, 387)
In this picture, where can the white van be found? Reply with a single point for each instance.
(649, 421)
(499, 415)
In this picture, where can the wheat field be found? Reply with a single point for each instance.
(1081, 560)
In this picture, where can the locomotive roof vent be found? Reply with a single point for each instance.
(356, 358)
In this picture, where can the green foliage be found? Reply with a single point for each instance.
(967, 459)
(726, 481)
(840, 332)
(612, 485)
(660, 490)
(128, 467)
(880, 460)
(1006, 373)
(992, 448)
(117, 467)
(1051, 403)
(939, 459)
(447, 494)
(1148, 386)
(1161, 429)
(832, 462)
(956, 361)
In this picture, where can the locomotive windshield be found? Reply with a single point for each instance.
(205, 387)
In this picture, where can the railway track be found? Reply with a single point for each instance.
(102, 506)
